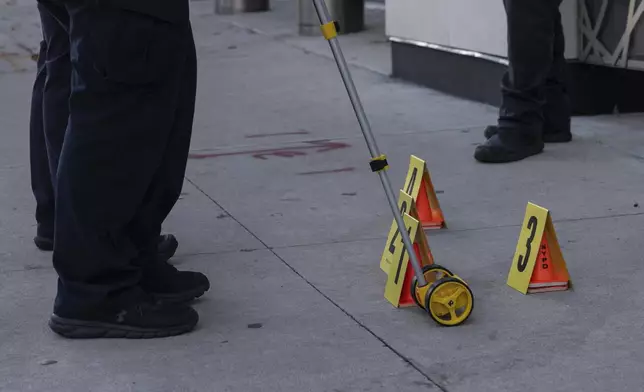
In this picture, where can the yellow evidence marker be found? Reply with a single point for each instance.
(419, 186)
(398, 268)
(538, 243)
(406, 205)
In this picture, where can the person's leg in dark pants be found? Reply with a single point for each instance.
(49, 116)
(128, 71)
(40, 175)
(58, 83)
(535, 52)
(51, 94)
(557, 109)
(162, 279)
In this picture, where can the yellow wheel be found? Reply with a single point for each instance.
(432, 273)
(449, 301)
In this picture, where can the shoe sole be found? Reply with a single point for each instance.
(43, 243)
(547, 138)
(186, 296)
(556, 138)
(485, 158)
(79, 329)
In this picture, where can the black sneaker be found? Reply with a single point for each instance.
(557, 137)
(170, 285)
(548, 136)
(494, 150)
(143, 318)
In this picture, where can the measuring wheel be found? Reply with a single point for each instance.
(432, 273)
(445, 296)
(449, 301)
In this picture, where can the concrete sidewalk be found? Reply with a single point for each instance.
(282, 213)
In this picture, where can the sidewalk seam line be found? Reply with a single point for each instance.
(297, 273)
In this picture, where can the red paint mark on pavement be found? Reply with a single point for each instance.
(343, 170)
(300, 132)
(284, 152)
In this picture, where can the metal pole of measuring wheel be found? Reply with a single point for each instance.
(378, 161)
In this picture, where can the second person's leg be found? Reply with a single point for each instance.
(557, 108)
(531, 39)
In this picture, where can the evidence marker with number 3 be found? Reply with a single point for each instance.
(448, 300)
(538, 263)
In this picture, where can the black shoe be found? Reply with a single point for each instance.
(143, 318)
(168, 245)
(557, 137)
(168, 284)
(494, 150)
(548, 136)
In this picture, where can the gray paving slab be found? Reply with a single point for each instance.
(15, 92)
(20, 35)
(557, 341)
(304, 342)
(620, 132)
(290, 91)
(202, 227)
(18, 223)
(17, 205)
(368, 49)
(580, 180)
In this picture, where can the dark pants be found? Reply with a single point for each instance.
(122, 165)
(49, 111)
(535, 99)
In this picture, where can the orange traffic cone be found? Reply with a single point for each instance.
(405, 295)
(429, 211)
(547, 276)
(400, 273)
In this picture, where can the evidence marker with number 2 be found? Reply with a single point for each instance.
(448, 299)
(538, 264)
(394, 253)
(406, 205)
(397, 267)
